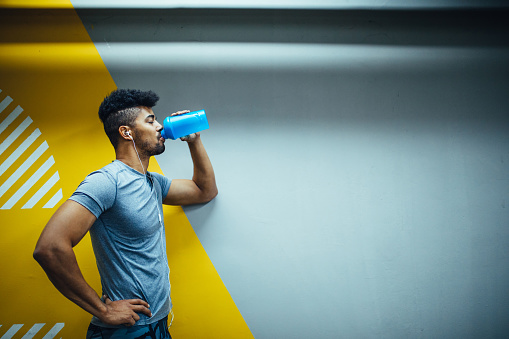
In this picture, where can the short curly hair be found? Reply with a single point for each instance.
(121, 107)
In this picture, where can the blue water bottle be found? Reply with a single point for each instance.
(178, 126)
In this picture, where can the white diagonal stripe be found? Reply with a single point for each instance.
(5, 103)
(54, 200)
(54, 331)
(42, 191)
(28, 184)
(33, 331)
(22, 169)
(15, 134)
(12, 331)
(19, 151)
(10, 118)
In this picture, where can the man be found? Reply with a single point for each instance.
(121, 206)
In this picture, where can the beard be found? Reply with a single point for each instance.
(150, 149)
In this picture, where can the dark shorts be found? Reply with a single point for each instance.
(158, 330)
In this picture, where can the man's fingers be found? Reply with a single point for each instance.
(126, 312)
(131, 322)
(142, 309)
(190, 137)
(181, 112)
(140, 306)
(139, 302)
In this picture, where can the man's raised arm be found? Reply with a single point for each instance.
(202, 188)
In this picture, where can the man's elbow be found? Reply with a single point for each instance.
(211, 194)
(41, 254)
(44, 253)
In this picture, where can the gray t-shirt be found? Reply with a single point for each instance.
(128, 236)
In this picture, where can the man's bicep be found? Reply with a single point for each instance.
(182, 192)
(69, 224)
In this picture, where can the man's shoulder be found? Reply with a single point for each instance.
(108, 173)
(112, 169)
(97, 192)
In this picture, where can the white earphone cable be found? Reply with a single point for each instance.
(144, 172)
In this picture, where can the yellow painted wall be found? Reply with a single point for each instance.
(51, 69)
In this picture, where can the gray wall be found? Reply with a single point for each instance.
(362, 158)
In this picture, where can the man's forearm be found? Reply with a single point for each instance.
(63, 271)
(203, 172)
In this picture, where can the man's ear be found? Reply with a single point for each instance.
(125, 132)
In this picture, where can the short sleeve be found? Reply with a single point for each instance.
(164, 182)
(96, 193)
